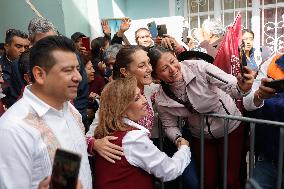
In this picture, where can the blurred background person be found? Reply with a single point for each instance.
(16, 42)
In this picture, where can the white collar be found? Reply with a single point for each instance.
(135, 125)
(39, 106)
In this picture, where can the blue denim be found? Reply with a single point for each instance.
(265, 174)
(190, 175)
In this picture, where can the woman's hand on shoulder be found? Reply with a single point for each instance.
(108, 150)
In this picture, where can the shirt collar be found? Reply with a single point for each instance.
(39, 106)
(135, 125)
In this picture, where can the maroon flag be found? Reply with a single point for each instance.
(227, 57)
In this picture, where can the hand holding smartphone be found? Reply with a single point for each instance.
(65, 170)
(153, 29)
(86, 43)
(243, 59)
(278, 85)
(162, 29)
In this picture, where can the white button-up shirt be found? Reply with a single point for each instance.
(140, 151)
(30, 132)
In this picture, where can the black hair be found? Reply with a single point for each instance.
(96, 46)
(124, 58)
(12, 33)
(24, 64)
(155, 54)
(41, 52)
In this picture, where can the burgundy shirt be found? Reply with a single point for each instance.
(121, 174)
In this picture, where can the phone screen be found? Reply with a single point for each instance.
(86, 43)
(184, 34)
(162, 29)
(65, 170)
(153, 29)
(243, 58)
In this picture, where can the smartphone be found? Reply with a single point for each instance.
(86, 43)
(153, 29)
(184, 35)
(278, 85)
(243, 58)
(162, 29)
(65, 170)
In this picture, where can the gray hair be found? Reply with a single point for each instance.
(40, 25)
(111, 51)
(213, 26)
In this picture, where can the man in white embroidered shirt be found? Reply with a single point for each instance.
(44, 119)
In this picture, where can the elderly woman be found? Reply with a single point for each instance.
(191, 88)
(210, 36)
(122, 106)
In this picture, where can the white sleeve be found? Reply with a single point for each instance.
(140, 151)
(93, 126)
(248, 100)
(15, 160)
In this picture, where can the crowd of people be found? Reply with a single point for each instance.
(103, 104)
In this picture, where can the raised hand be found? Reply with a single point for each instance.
(105, 27)
(124, 26)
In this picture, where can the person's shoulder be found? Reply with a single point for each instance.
(17, 111)
(72, 108)
(18, 119)
(136, 135)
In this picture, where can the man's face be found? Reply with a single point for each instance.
(62, 80)
(143, 38)
(79, 43)
(16, 47)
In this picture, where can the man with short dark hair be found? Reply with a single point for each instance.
(40, 28)
(44, 119)
(16, 42)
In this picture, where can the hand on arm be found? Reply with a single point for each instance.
(108, 150)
